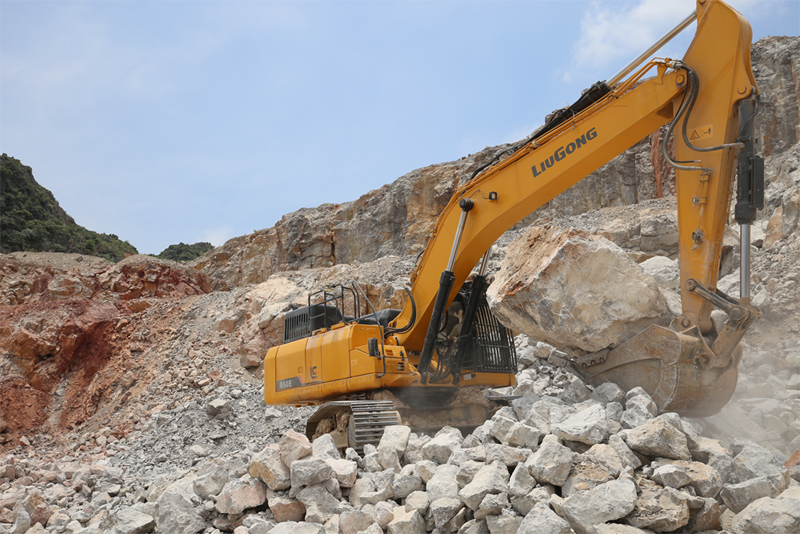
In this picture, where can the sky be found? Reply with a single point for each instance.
(185, 121)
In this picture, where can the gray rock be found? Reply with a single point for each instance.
(492, 478)
(218, 407)
(523, 504)
(294, 446)
(444, 482)
(320, 505)
(406, 481)
(323, 447)
(445, 509)
(410, 522)
(738, 496)
(658, 438)
(310, 471)
(345, 471)
(671, 475)
(442, 445)
(241, 494)
(354, 521)
(492, 504)
(175, 514)
(508, 522)
(609, 501)
(584, 475)
(638, 409)
(395, 438)
(417, 500)
(521, 481)
(211, 481)
(542, 520)
(766, 515)
(552, 463)
(509, 456)
(129, 521)
(659, 509)
(293, 527)
(608, 392)
(624, 452)
(588, 426)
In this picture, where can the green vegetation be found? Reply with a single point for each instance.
(184, 252)
(31, 220)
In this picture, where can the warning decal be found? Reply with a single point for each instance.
(703, 132)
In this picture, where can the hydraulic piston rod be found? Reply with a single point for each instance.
(667, 37)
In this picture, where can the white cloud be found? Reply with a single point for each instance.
(613, 33)
(218, 236)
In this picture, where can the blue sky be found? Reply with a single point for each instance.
(186, 121)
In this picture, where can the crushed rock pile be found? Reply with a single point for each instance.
(562, 458)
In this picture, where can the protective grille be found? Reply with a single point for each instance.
(492, 348)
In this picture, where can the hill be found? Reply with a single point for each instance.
(32, 220)
(184, 252)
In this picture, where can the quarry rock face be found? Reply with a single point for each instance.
(573, 290)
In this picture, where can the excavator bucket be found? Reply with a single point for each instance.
(673, 367)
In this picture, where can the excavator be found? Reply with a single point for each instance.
(369, 368)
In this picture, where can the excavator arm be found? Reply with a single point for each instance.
(708, 100)
(700, 96)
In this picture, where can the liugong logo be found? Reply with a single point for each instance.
(562, 152)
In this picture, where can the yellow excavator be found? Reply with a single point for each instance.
(342, 353)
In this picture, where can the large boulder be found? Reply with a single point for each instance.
(574, 290)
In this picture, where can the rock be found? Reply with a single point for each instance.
(442, 445)
(218, 407)
(608, 392)
(521, 481)
(514, 433)
(309, 471)
(269, 468)
(175, 514)
(410, 522)
(509, 456)
(323, 447)
(738, 496)
(354, 521)
(384, 512)
(671, 475)
(664, 270)
(285, 509)
(345, 471)
(780, 515)
(704, 518)
(754, 461)
(588, 426)
(584, 475)
(508, 522)
(443, 483)
(542, 520)
(552, 463)
(492, 504)
(445, 509)
(417, 500)
(320, 505)
(395, 438)
(624, 452)
(607, 502)
(210, 481)
(573, 290)
(406, 481)
(524, 504)
(293, 527)
(130, 521)
(638, 409)
(492, 478)
(240, 494)
(294, 446)
(656, 437)
(659, 509)
(704, 479)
